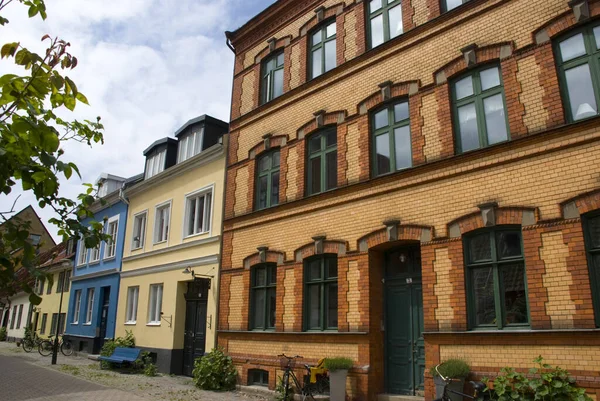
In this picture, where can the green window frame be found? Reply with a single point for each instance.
(321, 293)
(385, 21)
(496, 279)
(263, 297)
(392, 142)
(323, 49)
(322, 161)
(258, 377)
(578, 61)
(272, 77)
(267, 180)
(449, 5)
(591, 226)
(479, 109)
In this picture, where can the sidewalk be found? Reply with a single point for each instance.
(163, 387)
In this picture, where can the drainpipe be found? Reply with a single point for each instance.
(122, 197)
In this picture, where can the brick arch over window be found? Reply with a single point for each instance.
(275, 45)
(264, 256)
(393, 232)
(269, 142)
(322, 14)
(474, 56)
(581, 204)
(320, 246)
(562, 24)
(492, 215)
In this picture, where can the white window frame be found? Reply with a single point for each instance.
(131, 310)
(89, 311)
(167, 204)
(82, 256)
(77, 308)
(142, 235)
(190, 145)
(208, 212)
(92, 251)
(155, 304)
(111, 244)
(155, 164)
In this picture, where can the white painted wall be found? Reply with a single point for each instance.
(16, 302)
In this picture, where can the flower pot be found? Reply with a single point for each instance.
(455, 385)
(337, 386)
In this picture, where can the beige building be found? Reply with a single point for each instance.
(169, 278)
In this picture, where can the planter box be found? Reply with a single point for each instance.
(454, 386)
(337, 386)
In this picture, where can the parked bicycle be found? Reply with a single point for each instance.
(30, 342)
(65, 346)
(314, 382)
(478, 388)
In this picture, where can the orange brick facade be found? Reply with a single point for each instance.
(542, 180)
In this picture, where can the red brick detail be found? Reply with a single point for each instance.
(374, 317)
(408, 12)
(416, 129)
(361, 28)
(552, 100)
(257, 82)
(239, 63)
(329, 247)
(376, 99)
(457, 278)
(227, 251)
(287, 68)
(588, 202)
(343, 288)
(271, 257)
(444, 112)
(364, 145)
(405, 233)
(429, 280)
(342, 150)
(283, 170)
(300, 179)
(246, 300)
(236, 97)
(280, 44)
(328, 15)
(234, 145)
(566, 21)
(303, 43)
(363, 285)
(275, 142)
(434, 9)
(484, 54)
(512, 90)
(432, 358)
(340, 41)
(504, 216)
(224, 302)
(332, 118)
(251, 185)
(230, 193)
(279, 296)
(299, 297)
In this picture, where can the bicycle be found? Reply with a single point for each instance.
(30, 342)
(321, 384)
(47, 346)
(478, 388)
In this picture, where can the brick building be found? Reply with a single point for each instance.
(410, 181)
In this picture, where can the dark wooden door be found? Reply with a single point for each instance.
(194, 344)
(404, 343)
(104, 312)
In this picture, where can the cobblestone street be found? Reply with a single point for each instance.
(32, 377)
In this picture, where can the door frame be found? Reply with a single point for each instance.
(201, 297)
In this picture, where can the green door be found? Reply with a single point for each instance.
(404, 343)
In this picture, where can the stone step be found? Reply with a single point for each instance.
(395, 397)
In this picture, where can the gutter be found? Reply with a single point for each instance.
(228, 41)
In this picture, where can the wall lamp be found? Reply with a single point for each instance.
(187, 270)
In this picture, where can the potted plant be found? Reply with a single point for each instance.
(456, 369)
(338, 373)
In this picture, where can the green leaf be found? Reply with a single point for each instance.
(9, 49)
(80, 96)
(69, 103)
(39, 176)
(3, 21)
(72, 85)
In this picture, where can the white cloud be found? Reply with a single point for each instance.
(147, 66)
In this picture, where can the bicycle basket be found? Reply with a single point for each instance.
(285, 362)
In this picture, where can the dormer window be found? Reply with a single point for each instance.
(103, 190)
(190, 145)
(155, 164)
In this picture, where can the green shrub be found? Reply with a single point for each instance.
(280, 391)
(543, 382)
(215, 371)
(340, 363)
(454, 368)
(3, 334)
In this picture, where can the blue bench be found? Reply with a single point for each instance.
(121, 356)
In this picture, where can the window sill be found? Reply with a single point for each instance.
(109, 259)
(153, 324)
(196, 235)
(75, 324)
(94, 263)
(137, 249)
(130, 323)
(87, 324)
(519, 330)
(296, 333)
(159, 243)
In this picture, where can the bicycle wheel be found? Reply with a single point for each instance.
(285, 382)
(66, 348)
(45, 348)
(322, 384)
(27, 345)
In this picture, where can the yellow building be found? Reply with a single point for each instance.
(169, 276)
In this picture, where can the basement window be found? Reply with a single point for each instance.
(258, 377)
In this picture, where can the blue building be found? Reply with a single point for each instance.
(95, 282)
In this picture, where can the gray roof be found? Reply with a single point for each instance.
(205, 119)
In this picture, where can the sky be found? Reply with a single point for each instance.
(146, 67)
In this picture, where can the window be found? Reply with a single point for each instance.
(321, 293)
(161, 224)
(60, 283)
(258, 377)
(110, 248)
(448, 5)
(190, 145)
(262, 297)
(67, 283)
(35, 239)
(19, 317)
(14, 317)
(56, 324)
(579, 66)
(496, 283)
(479, 110)
(272, 78)
(155, 305)
(77, 307)
(83, 253)
(391, 139)
(139, 231)
(95, 254)
(155, 164)
(90, 306)
(197, 213)
(43, 324)
(40, 288)
(50, 282)
(322, 161)
(267, 181)
(385, 18)
(591, 225)
(323, 56)
(132, 304)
